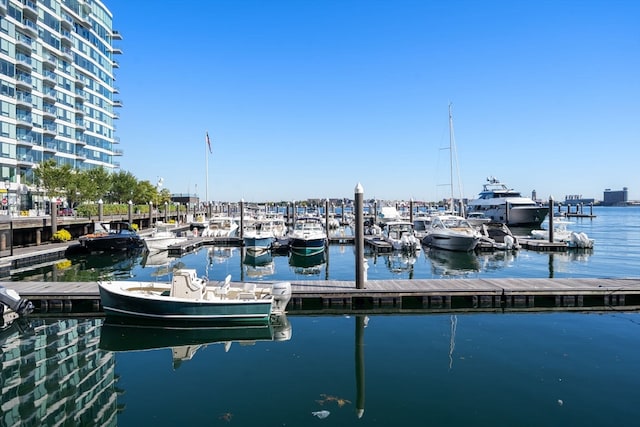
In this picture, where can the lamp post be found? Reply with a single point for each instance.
(7, 185)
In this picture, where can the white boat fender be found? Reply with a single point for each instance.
(508, 242)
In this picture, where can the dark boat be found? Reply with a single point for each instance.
(111, 237)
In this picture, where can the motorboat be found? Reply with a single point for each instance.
(308, 236)
(111, 237)
(499, 203)
(562, 234)
(184, 341)
(261, 234)
(498, 236)
(221, 226)
(453, 233)
(188, 298)
(11, 303)
(401, 236)
(477, 219)
(163, 236)
(421, 225)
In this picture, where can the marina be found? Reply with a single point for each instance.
(458, 284)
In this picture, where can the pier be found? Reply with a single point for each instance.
(391, 296)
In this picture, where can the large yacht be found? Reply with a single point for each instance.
(502, 204)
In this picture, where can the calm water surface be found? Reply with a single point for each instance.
(538, 369)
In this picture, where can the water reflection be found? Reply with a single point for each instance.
(220, 254)
(52, 374)
(402, 262)
(308, 265)
(452, 263)
(185, 341)
(258, 264)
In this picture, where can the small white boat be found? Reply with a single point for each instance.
(163, 236)
(221, 226)
(189, 298)
(401, 236)
(261, 233)
(562, 234)
(453, 233)
(477, 219)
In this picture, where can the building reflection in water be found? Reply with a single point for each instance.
(54, 374)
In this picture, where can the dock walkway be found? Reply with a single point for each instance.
(395, 296)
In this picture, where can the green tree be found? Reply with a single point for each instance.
(123, 186)
(101, 182)
(54, 178)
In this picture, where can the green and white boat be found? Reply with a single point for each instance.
(192, 299)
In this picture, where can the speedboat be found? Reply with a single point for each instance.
(261, 234)
(401, 236)
(562, 234)
(190, 299)
(221, 226)
(453, 233)
(501, 204)
(111, 237)
(162, 237)
(308, 236)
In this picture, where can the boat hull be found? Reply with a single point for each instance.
(162, 243)
(108, 243)
(451, 243)
(307, 247)
(257, 243)
(167, 309)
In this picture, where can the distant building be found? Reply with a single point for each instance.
(576, 199)
(615, 197)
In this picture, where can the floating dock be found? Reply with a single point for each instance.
(392, 296)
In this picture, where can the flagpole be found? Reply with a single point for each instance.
(206, 156)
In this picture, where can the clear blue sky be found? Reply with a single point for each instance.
(305, 99)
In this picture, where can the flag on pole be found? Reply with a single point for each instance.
(209, 143)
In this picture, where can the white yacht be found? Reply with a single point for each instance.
(502, 204)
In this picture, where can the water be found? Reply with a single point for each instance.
(551, 369)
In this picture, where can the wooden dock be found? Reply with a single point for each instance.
(392, 296)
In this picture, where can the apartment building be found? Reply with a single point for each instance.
(58, 98)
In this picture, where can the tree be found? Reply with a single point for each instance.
(123, 186)
(54, 178)
(145, 192)
(101, 184)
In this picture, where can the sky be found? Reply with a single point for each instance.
(309, 98)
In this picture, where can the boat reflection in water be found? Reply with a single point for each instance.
(402, 261)
(185, 341)
(220, 254)
(453, 263)
(258, 264)
(307, 264)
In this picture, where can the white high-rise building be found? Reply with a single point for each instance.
(57, 92)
